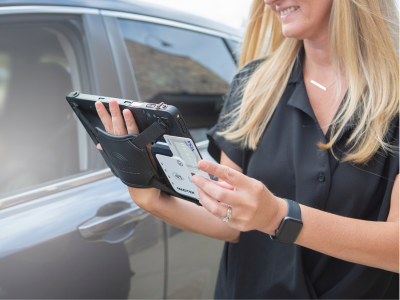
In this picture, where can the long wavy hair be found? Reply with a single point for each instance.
(363, 41)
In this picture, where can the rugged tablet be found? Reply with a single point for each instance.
(127, 155)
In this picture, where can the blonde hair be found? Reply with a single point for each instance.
(363, 42)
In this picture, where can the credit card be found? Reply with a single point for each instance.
(186, 149)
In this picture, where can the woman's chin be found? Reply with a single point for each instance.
(291, 31)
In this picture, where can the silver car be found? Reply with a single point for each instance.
(68, 228)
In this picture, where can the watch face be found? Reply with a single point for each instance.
(290, 230)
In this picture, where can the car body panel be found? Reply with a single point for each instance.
(42, 254)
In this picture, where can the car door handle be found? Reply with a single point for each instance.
(97, 227)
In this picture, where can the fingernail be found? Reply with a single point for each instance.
(97, 104)
(203, 165)
(194, 179)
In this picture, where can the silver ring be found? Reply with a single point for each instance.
(228, 214)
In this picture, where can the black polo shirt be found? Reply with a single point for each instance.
(289, 162)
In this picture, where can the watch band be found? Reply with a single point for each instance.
(291, 224)
(293, 209)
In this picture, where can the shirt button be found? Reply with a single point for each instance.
(321, 177)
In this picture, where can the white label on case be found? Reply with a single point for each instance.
(178, 175)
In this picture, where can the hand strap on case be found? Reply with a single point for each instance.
(127, 155)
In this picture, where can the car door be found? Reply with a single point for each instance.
(189, 67)
(68, 229)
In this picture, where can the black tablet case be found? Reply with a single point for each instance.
(127, 155)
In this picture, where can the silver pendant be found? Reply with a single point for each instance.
(318, 85)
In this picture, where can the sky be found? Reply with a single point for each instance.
(230, 12)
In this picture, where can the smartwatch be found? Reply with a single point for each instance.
(290, 226)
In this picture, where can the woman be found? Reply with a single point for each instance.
(315, 120)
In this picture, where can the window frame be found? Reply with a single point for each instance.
(160, 21)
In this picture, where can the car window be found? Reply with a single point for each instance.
(188, 69)
(40, 139)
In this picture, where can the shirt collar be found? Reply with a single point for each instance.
(299, 98)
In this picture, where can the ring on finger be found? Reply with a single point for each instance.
(228, 214)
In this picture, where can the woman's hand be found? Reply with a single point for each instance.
(253, 205)
(117, 124)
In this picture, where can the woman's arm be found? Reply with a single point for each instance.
(178, 212)
(374, 244)
(183, 214)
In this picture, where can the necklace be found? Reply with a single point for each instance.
(318, 84)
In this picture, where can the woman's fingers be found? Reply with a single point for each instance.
(218, 209)
(224, 185)
(215, 191)
(130, 122)
(224, 173)
(104, 117)
(117, 120)
(115, 124)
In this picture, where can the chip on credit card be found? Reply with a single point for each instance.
(186, 149)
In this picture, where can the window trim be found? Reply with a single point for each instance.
(155, 20)
(40, 9)
(54, 188)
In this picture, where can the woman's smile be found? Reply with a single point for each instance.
(288, 11)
